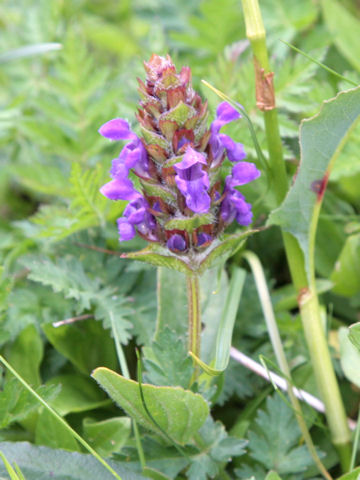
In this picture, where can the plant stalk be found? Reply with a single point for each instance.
(194, 318)
(309, 305)
(275, 338)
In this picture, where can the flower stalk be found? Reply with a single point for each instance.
(308, 300)
(194, 318)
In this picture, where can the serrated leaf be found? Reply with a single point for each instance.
(42, 463)
(180, 413)
(274, 439)
(217, 447)
(321, 139)
(166, 361)
(189, 223)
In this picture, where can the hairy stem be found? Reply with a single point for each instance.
(194, 317)
(309, 306)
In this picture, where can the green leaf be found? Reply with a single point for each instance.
(43, 463)
(78, 394)
(221, 355)
(354, 475)
(349, 357)
(51, 433)
(189, 223)
(343, 27)
(10, 470)
(274, 439)
(153, 138)
(354, 334)
(171, 302)
(216, 448)
(166, 361)
(180, 413)
(86, 344)
(321, 139)
(68, 275)
(346, 274)
(155, 474)
(107, 436)
(272, 476)
(16, 403)
(28, 345)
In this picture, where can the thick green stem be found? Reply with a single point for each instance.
(194, 317)
(309, 306)
(325, 375)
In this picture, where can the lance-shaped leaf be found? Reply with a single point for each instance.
(180, 413)
(321, 140)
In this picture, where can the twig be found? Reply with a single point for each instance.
(281, 382)
(67, 321)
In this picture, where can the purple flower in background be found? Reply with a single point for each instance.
(192, 181)
(177, 163)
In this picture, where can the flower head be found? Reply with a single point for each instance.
(180, 202)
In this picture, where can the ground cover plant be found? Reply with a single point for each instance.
(179, 280)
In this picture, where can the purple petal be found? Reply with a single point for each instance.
(196, 196)
(225, 113)
(191, 157)
(235, 151)
(242, 173)
(203, 238)
(117, 129)
(126, 230)
(119, 190)
(176, 242)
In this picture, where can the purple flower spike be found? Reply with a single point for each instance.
(117, 129)
(176, 242)
(192, 181)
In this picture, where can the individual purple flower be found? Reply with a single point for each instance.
(193, 181)
(225, 113)
(234, 206)
(117, 129)
(133, 156)
(176, 242)
(136, 214)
